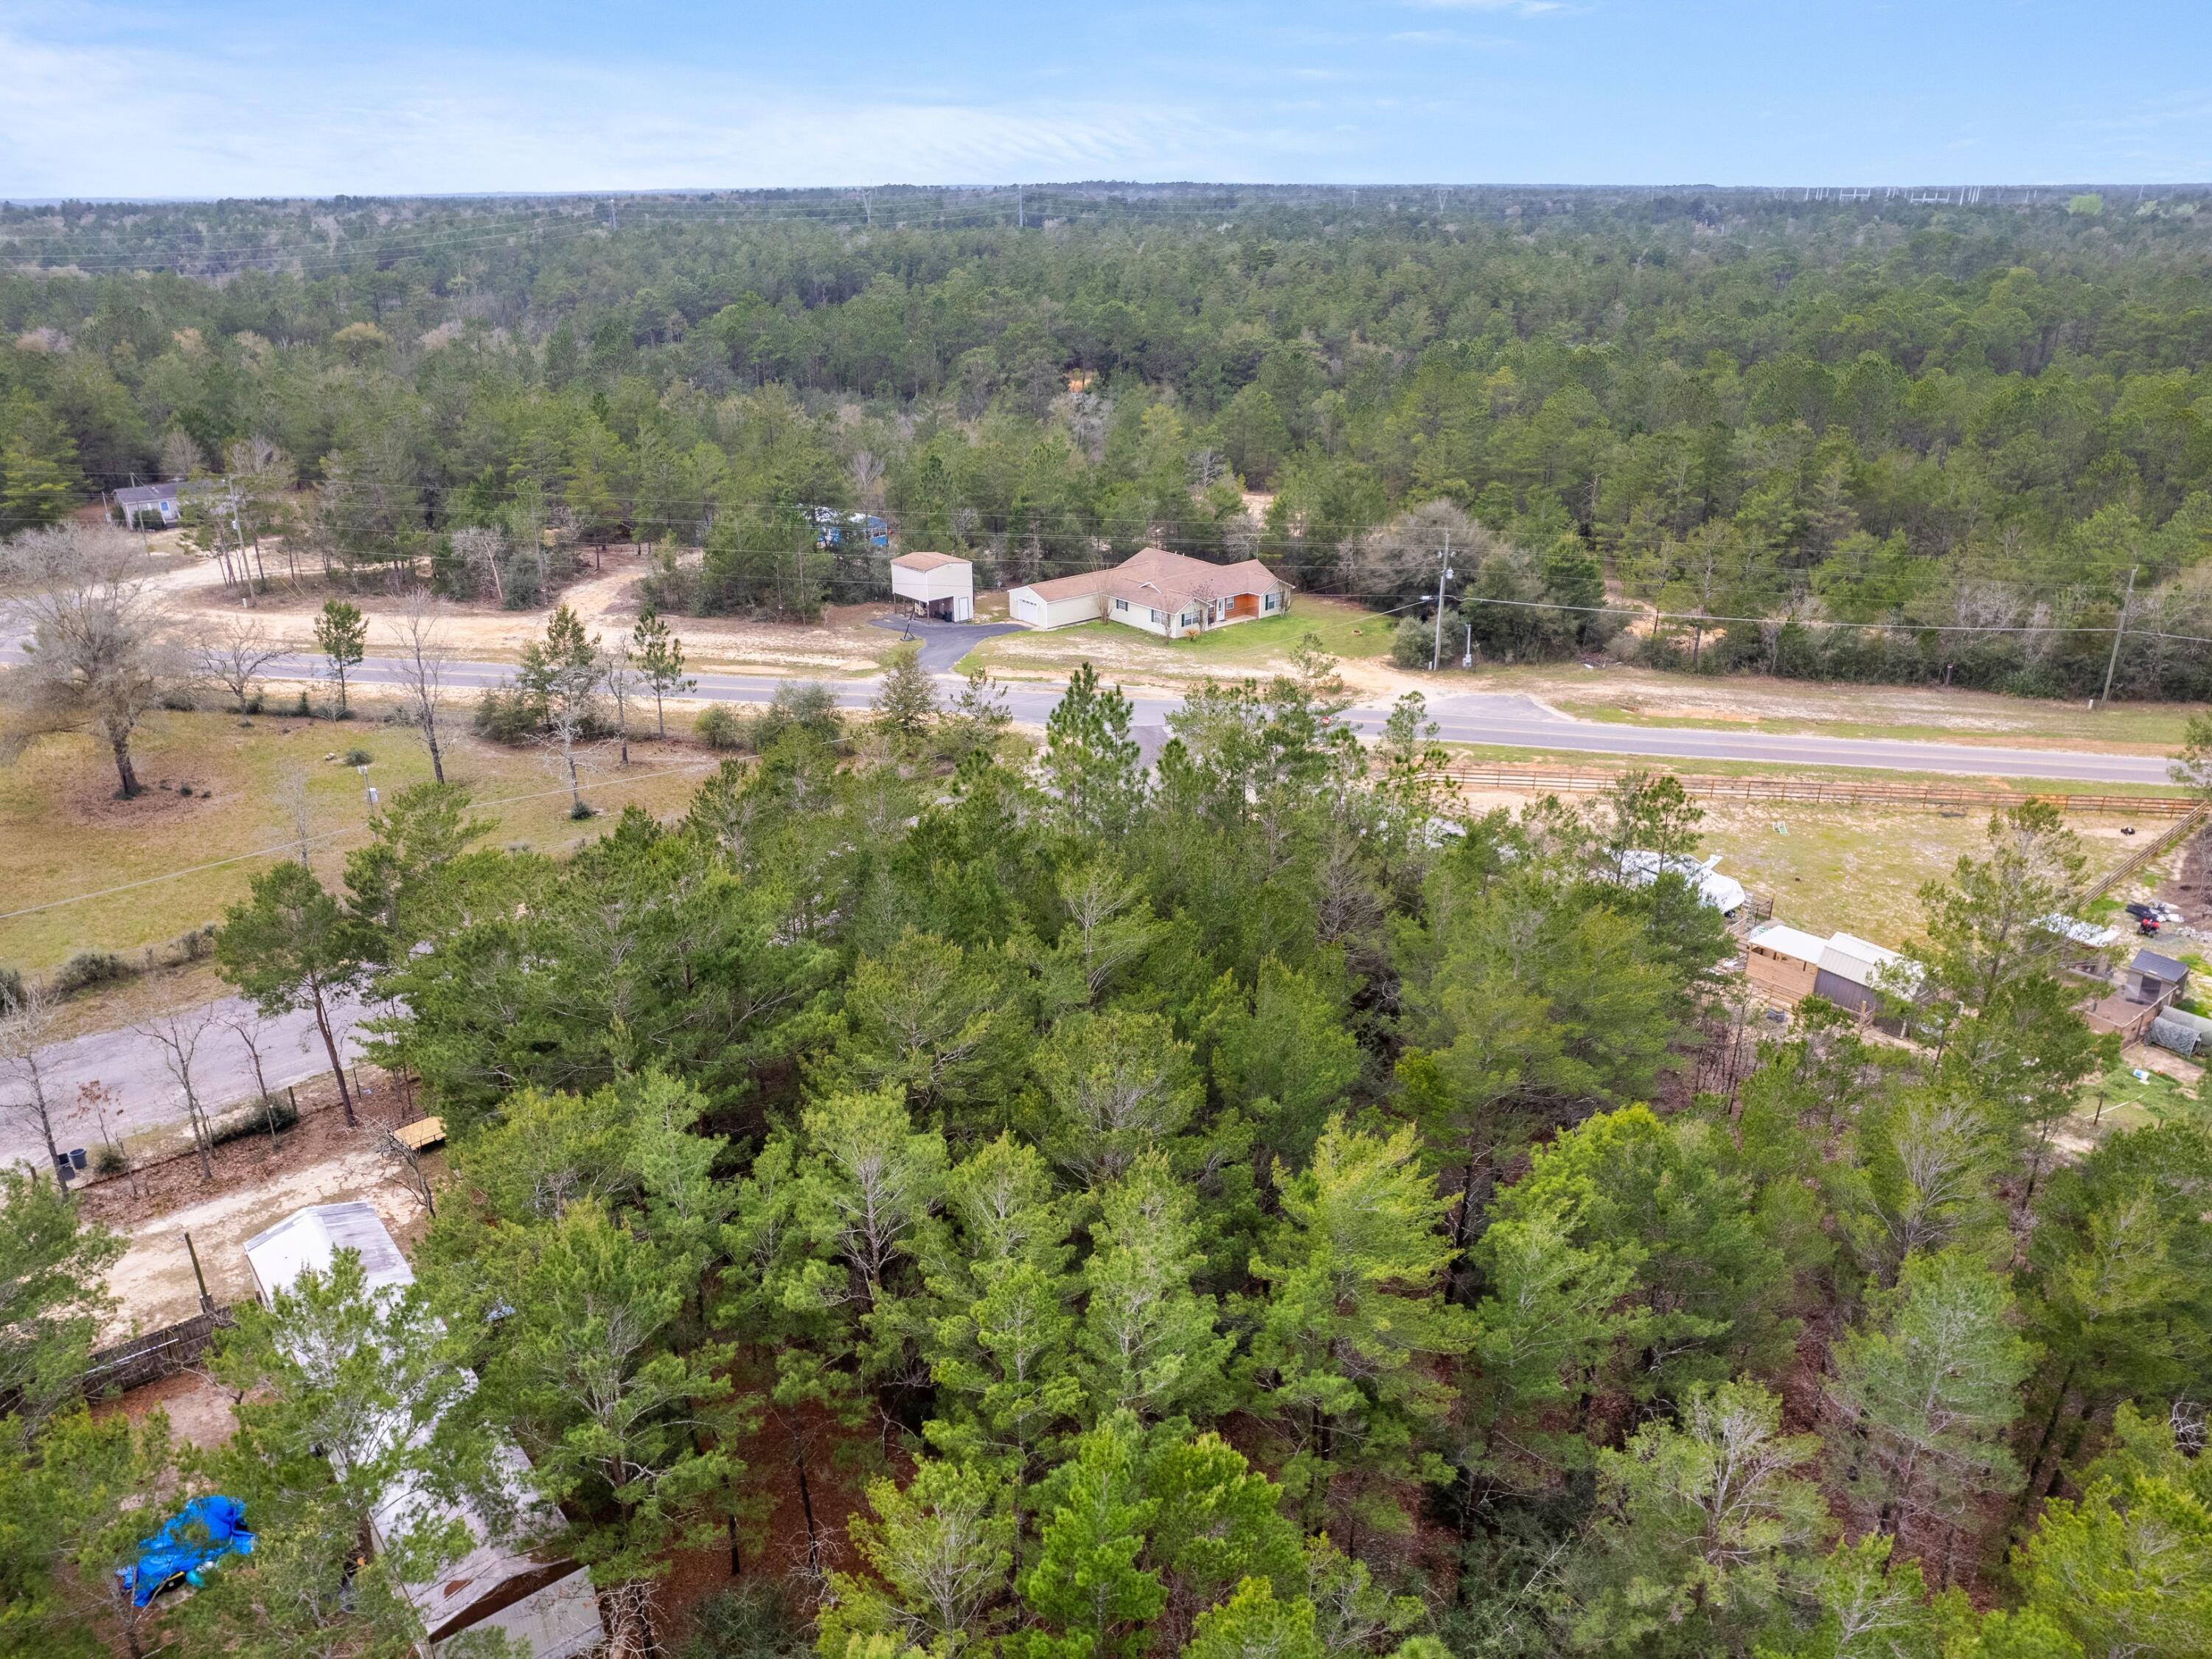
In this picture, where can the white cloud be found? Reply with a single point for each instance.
(1513, 7)
(150, 120)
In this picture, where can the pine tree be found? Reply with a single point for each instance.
(1148, 1342)
(906, 701)
(1253, 1624)
(1115, 1085)
(1705, 1527)
(1926, 1390)
(290, 945)
(940, 1558)
(342, 636)
(1557, 1317)
(1091, 764)
(1354, 1319)
(2127, 1569)
(1087, 1584)
(51, 1299)
(626, 1423)
(660, 657)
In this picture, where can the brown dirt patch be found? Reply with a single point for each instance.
(2191, 890)
(199, 1411)
(320, 1161)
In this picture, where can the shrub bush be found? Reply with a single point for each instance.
(11, 987)
(359, 757)
(802, 705)
(108, 1159)
(750, 1622)
(1414, 642)
(87, 969)
(506, 715)
(719, 728)
(274, 1118)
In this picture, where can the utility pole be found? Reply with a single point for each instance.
(1021, 214)
(1443, 576)
(2126, 604)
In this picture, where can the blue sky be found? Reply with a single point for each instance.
(249, 97)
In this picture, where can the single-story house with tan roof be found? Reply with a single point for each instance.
(1159, 591)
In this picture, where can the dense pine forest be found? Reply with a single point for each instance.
(1876, 438)
(1041, 1207)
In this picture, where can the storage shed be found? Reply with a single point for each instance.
(936, 585)
(1783, 961)
(1850, 970)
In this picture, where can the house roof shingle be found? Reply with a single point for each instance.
(2159, 967)
(1155, 577)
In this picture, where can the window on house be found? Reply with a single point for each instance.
(1121, 604)
(1267, 603)
(1189, 619)
(1155, 616)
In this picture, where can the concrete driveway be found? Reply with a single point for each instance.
(943, 643)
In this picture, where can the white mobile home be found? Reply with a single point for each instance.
(548, 1607)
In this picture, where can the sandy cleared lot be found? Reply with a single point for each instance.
(607, 600)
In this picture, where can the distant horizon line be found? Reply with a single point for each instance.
(1971, 194)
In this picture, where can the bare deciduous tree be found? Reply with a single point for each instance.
(425, 660)
(180, 454)
(406, 1163)
(249, 1029)
(233, 653)
(101, 653)
(622, 681)
(480, 552)
(290, 793)
(27, 1021)
(178, 1035)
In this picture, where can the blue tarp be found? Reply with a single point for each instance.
(198, 1536)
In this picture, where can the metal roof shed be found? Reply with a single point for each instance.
(309, 1240)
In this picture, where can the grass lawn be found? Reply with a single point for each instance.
(1345, 631)
(1859, 868)
(2130, 1102)
(67, 835)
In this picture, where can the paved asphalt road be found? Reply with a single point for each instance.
(146, 1095)
(1508, 720)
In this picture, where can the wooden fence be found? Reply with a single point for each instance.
(2142, 856)
(1573, 780)
(155, 1355)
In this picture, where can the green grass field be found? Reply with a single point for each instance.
(169, 862)
(2127, 1101)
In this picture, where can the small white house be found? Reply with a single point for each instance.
(1158, 591)
(936, 584)
(158, 504)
